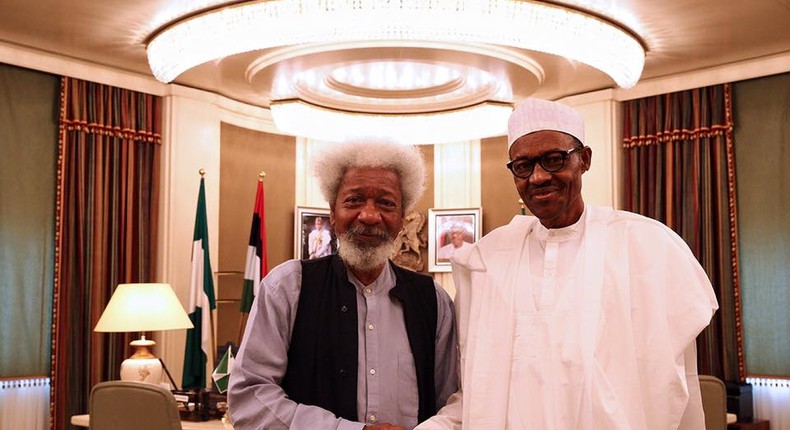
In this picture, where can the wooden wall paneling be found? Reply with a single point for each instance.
(244, 154)
(498, 193)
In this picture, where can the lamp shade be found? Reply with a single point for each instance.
(143, 307)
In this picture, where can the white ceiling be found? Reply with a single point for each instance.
(681, 36)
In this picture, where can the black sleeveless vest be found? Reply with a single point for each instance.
(322, 356)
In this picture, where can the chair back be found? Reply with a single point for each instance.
(122, 405)
(714, 402)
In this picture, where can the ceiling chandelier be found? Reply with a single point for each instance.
(308, 120)
(459, 25)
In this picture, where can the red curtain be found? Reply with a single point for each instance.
(105, 229)
(680, 170)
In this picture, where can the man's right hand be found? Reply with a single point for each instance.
(384, 427)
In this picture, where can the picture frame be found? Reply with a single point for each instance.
(305, 219)
(449, 229)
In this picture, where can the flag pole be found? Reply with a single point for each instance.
(199, 350)
(245, 315)
(211, 359)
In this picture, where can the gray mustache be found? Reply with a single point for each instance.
(359, 230)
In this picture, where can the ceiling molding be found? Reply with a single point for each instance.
(66, 66)
(739, 71)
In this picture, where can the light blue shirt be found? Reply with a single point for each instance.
(386, 379)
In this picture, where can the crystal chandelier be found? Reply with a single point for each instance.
(535, 26)
(307, 120)
(521, 24)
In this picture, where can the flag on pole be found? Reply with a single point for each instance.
(256, 266)
(199, 345)
(221, 374)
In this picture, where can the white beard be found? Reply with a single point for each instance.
(361, 257)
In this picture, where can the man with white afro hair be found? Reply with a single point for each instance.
(350, 341)
(405, 160)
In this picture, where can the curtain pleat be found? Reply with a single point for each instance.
(679, 168)
(106, 230)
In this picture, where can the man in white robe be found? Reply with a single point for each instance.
(457, 242)
(319, 240)
(578, 317)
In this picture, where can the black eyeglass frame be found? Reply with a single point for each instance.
(565, 153)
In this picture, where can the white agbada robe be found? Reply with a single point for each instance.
(596, 333)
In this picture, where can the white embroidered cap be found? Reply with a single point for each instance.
(536, 115)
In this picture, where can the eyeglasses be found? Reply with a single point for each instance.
(551, 161)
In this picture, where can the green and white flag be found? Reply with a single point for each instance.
(198, 349)
(221, 374)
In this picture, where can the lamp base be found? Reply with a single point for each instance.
(142, 370)
(142, 366)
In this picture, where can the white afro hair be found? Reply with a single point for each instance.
(405, 160)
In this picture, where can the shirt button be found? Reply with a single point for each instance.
(371, 326)
(373, 418)
(372, 371)
(368, 291)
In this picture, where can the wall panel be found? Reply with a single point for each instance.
(244, 154)
(498, 193)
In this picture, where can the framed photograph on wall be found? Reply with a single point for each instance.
(313, 235)
(448, 231)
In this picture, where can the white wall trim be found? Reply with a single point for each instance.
(456, 175)
(308, 191)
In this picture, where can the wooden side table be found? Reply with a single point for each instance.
(754, 425)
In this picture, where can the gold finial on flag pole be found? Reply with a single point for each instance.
(523, 208)
(202, 172)
(261, 175)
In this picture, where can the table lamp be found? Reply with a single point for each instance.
(143, 307)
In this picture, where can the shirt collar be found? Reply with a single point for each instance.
(383, 283)
(562, 234)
